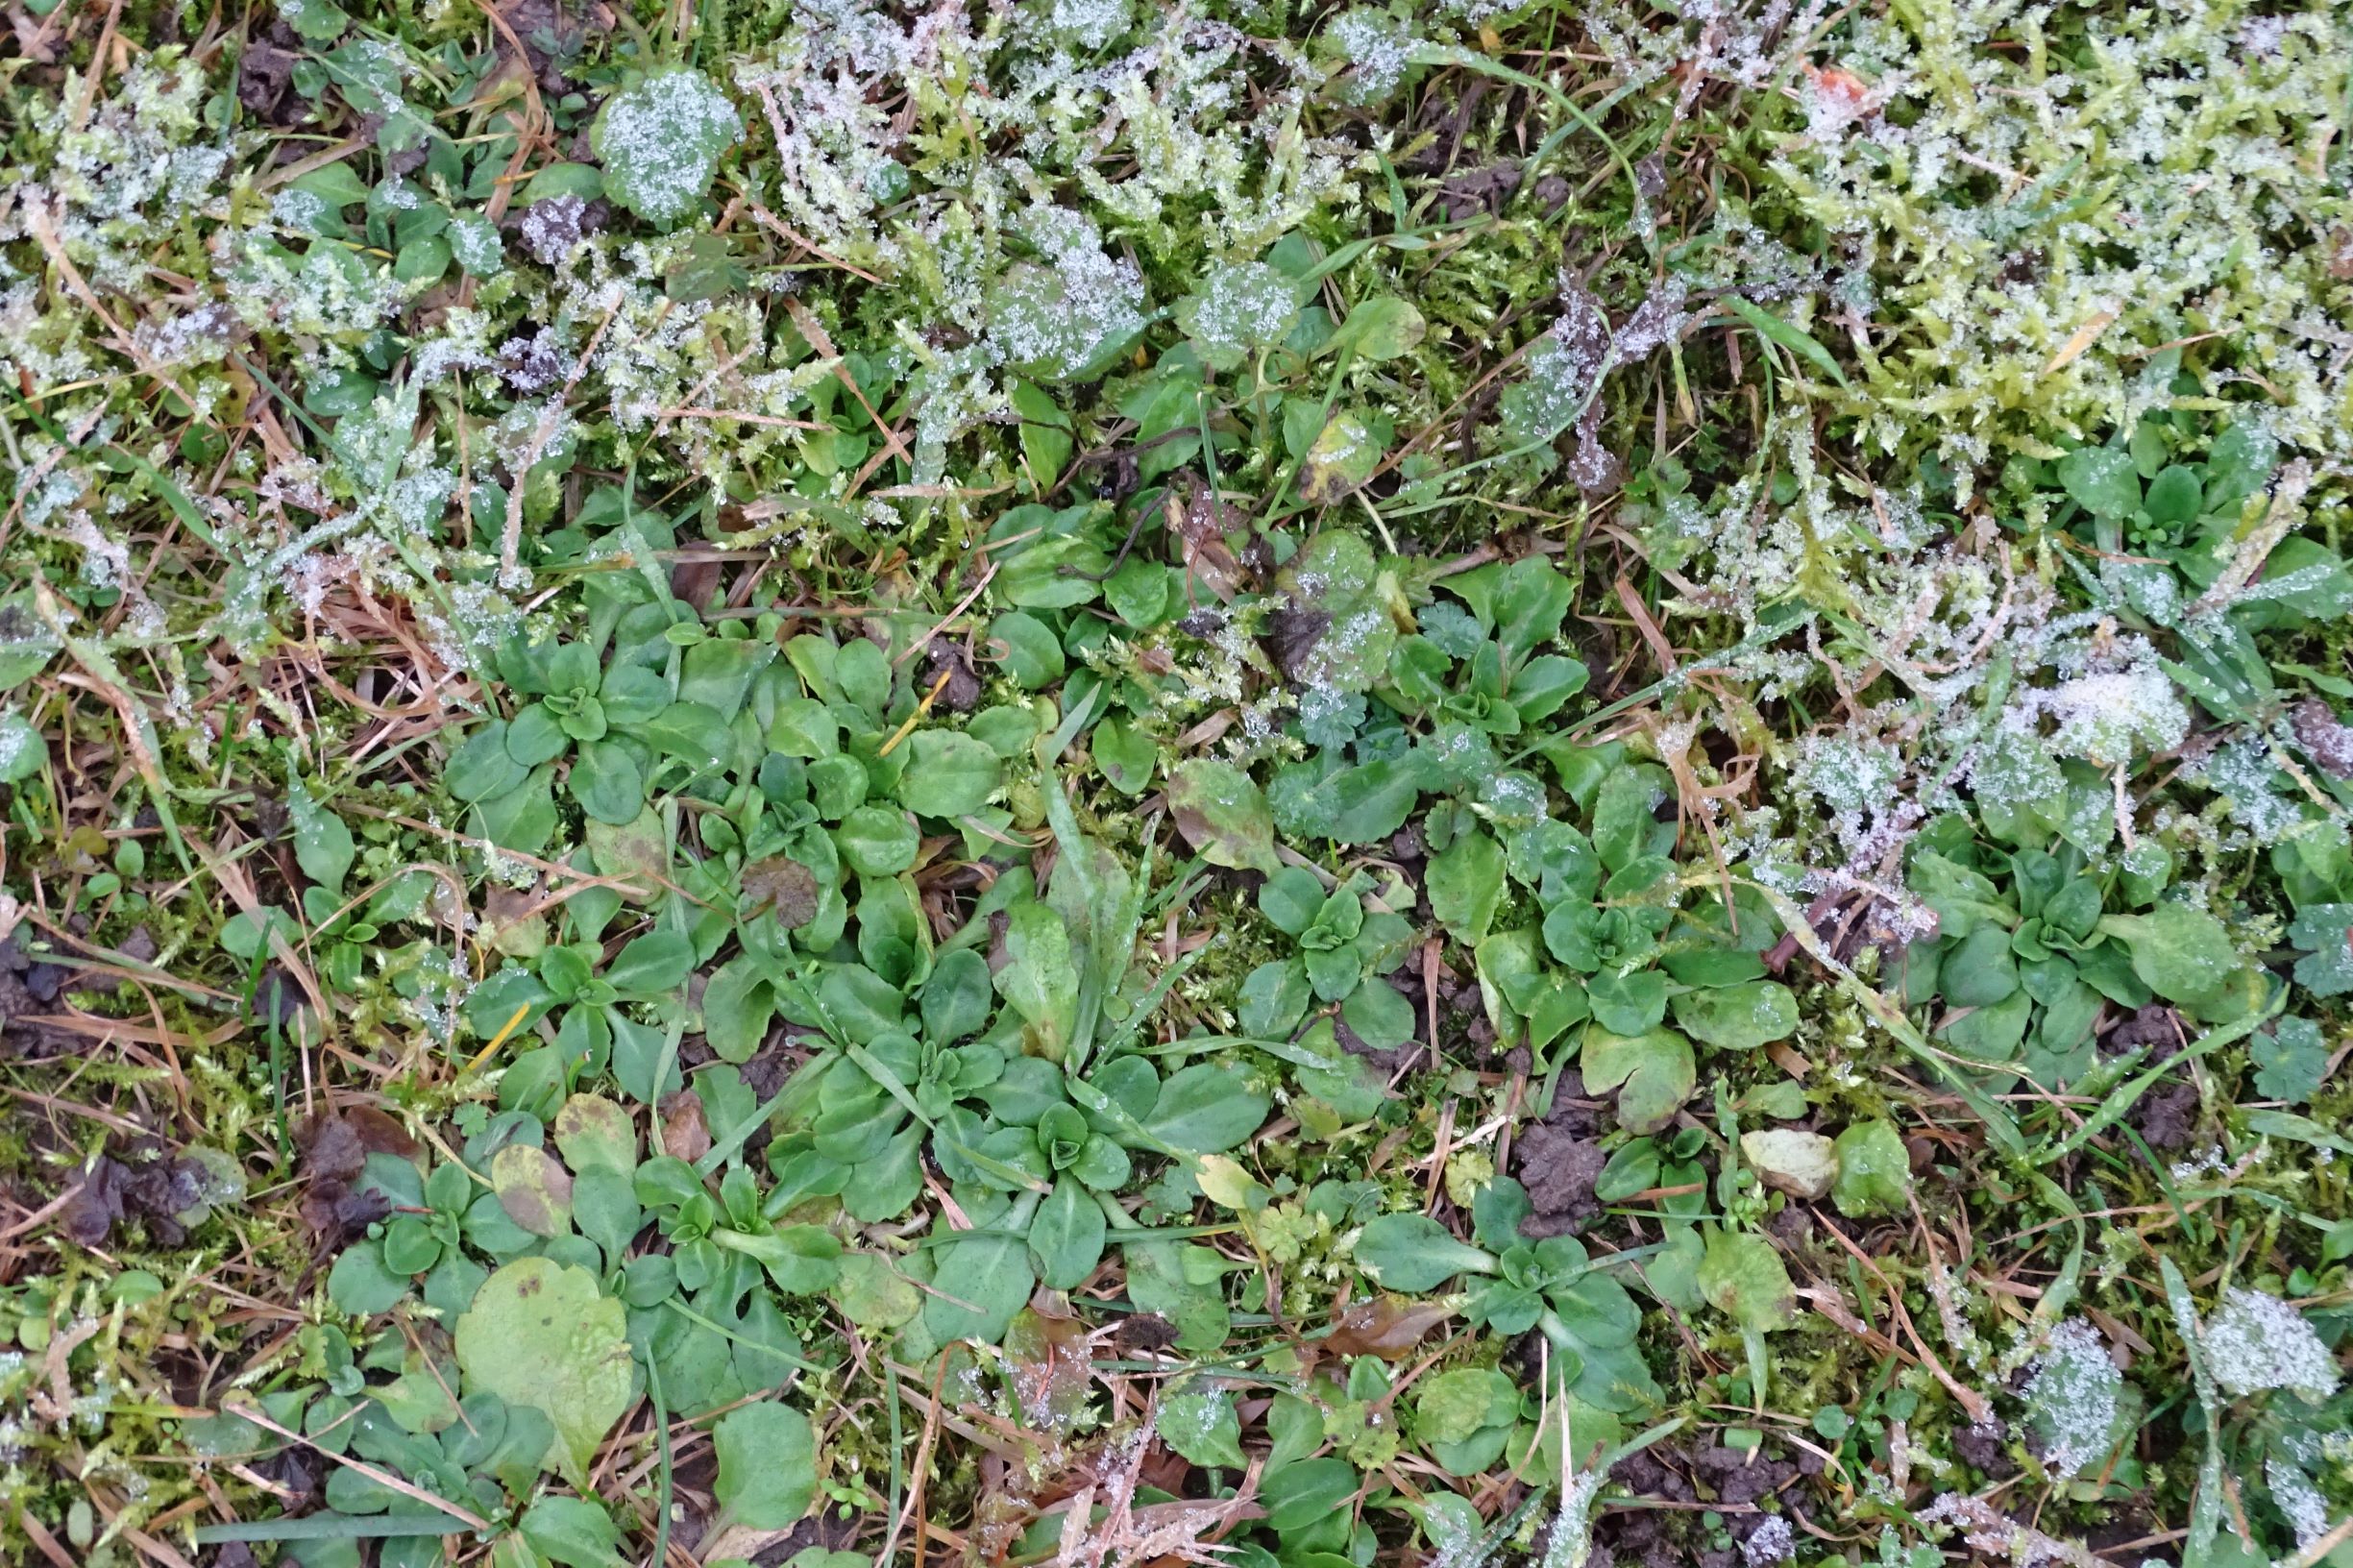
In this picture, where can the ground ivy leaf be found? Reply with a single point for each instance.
(1654, 1073)
(1200, 1425)
(767, 1467)
(541, 1334)
(1222, 814)
(660, 141)
(1742, 1277)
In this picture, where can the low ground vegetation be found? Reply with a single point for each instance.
(826, 782)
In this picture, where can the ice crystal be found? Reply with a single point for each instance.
(1770, 1542)
(1056, 317)
(1564, 368)
(131, 171)
(1236, 307)
(2071, 1398)
(660, 141)
(1373, 50)
(2297, 1498)
(1571, 1545)
(2255, 1341)
(2029, 313)
(2254, 791)
(836, 161)
(1089, 24)
(2109, 716)
(553, 226)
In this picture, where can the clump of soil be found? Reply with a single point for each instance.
(1560, 1159)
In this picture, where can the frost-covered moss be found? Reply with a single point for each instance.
(2028, 203)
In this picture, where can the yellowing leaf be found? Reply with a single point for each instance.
(541, 1334)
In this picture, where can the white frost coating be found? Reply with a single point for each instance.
(2255, 1341)
(1478, 11)
(2106, 716)
(304, 209)
(2243, 773)
(660, 141)
(1572, 1541)
(2071, 1398)
(17, 737)
(1089, 23)
(1060, 316)
(1770, 1542)
(1375, 48)
(2296, 1497)
(1239, 306)
(1563, 368)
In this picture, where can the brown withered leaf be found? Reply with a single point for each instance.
(150, 1183)
(96, 1204)
(1200, 521)
(339, 1142)
(1052, 1366)
(335, 1149)
(1291, 635)
(684, 1135)
(1389, 1327)
(782, 884)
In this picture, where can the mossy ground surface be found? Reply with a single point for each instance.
(828, 782)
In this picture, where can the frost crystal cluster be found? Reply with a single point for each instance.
(2254, 1341)
(2071, 1398)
